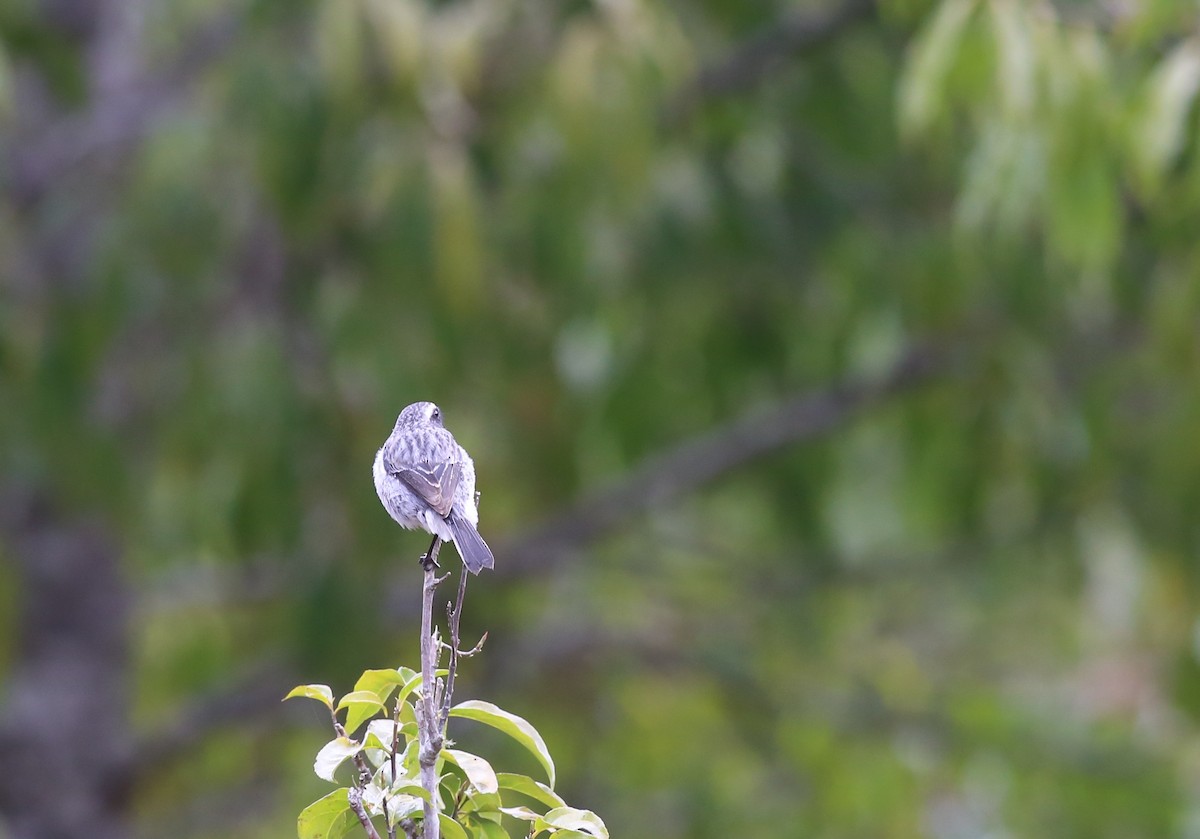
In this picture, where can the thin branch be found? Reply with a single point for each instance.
(395, 746)
(253, 696)
(360, 763)
(356, 804)
(750, 61)
(687, 466)
(360, 784)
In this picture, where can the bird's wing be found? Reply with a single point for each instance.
(434, 483)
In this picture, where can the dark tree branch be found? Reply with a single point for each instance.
(64, 731)
(750, 61)
(665, 477)
(254, 695)
(116, 122)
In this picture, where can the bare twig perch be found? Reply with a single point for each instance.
(430, 730)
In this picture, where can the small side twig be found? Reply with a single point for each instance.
(453, 616)
(395, 746)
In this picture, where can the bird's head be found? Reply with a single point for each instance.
(420, 413)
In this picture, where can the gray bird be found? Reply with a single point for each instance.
(426, 480)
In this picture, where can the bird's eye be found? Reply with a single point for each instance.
(436, 413)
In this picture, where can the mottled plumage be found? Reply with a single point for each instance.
(426, 481)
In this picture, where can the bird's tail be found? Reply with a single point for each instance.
(475, 553)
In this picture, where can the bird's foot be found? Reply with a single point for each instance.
(429, 561)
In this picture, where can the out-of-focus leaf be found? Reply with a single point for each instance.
(515, 727)
(6, 83)
(921, 88)
(528, 786)
(1018, 58)
(339, 44)
(327, 818)
(458, 247)
(1004, 179)
(321, 693)
(1160, 132)
(332, 755)
(478, 771)
(1085, 210)
(400, 28)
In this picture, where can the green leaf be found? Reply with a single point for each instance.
(408, 716)
(414, 683)
(372, 799)
(403, 806)
(379, 735)
(321, 693)
(406, 781)
(922, 84)
(410, 758)
(1162, 130)
(568, 818)
(378, 740)
(478, 771)
(326, 818)
(332, 755)
(528, 786)
(489, 830)
(512, 725)
(362, 705)
(1084, 222)
(523, 813)
(381, 682)
(450, 828)
(481, 803)
(411, 788)
(1018, 61)
(6, 85)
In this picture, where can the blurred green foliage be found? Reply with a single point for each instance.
(970, 611)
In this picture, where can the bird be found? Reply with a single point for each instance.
(426, 481)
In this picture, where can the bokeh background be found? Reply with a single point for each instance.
(830, 368)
